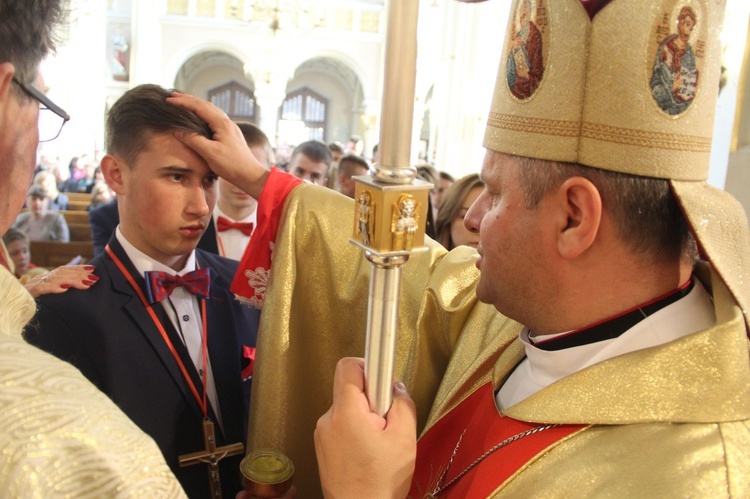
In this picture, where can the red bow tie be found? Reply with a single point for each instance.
(159, 285)
(223, 224)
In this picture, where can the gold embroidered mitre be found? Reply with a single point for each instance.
(628, 86)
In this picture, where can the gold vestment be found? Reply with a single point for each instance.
(315, 312)
(60, 436)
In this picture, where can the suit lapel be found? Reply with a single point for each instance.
(148, 330)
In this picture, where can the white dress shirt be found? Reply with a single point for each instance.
(232, 242)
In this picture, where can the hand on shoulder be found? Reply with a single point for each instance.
(61, 279)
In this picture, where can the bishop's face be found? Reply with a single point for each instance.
(514, 242)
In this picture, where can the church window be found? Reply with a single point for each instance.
(236, 100)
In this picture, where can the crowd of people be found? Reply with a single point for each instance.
(332, 165)
(579, 328)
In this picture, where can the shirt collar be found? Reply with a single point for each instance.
(251, 218)
(144, 263)
(690, 314)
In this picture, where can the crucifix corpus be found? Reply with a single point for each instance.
(211, 455)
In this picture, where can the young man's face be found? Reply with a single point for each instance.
(165, 198)
(19, 253)
(308, 170)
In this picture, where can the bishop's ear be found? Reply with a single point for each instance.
(113, 169)
(580, 214)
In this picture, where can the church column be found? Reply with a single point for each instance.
(462, 95)
(82, 73)
(269, 96)
(371, 134)
(146, 44)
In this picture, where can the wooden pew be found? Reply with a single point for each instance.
(80, 232)
(78, 196)
(75, 217)
(74, 205)
(52, 254)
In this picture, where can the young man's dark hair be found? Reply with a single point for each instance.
(336, 147)
(311, 162)
(143, 110)
(315, 150)
(349, 166)
(254, 136)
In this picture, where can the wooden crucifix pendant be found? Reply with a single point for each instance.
(211, 456)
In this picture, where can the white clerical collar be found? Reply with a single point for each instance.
(693, 313)
(251, 218)
(143, 262)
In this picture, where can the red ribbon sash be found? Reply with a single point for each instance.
(202, 400)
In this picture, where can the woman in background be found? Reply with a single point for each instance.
(449, 228)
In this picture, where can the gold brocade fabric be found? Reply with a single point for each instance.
(6, 257)
(315, 313)
(672, 421)
(683, 407)
(60, 436)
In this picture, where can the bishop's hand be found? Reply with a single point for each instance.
(361, 454)
(227, 153)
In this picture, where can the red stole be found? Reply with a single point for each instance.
(478, 419)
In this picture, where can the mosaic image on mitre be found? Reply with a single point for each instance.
(626, 85)
(676, 73)
(525, 66)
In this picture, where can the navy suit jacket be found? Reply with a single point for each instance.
(104, 220)
(208, 240)
(107, 333)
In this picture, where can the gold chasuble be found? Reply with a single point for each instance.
(60, 436)
(314, 313)
(681, 410)
(669, 421)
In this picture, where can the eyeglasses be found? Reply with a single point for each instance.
(51, 116)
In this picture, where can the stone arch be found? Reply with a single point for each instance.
(341, 81)
(201, 51)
